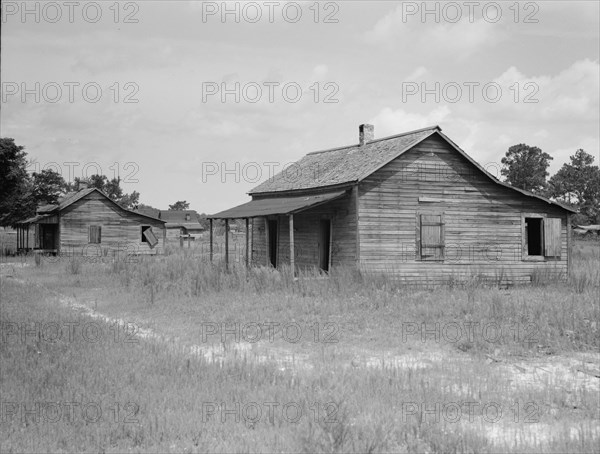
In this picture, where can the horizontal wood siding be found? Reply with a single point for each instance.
(173, 234)
(482, 220)
(120, 230)
(306, 235)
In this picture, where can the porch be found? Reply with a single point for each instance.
(284, 230)
(39, 234)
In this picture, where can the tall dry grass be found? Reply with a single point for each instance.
(175, 293)
(154, 398)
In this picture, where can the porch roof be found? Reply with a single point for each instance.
(185, 225)
(34, 219)
(276, 205)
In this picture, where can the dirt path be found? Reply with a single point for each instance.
(571, 373)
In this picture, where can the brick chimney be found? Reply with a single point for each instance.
(366, 133)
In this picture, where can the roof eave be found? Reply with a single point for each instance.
(307, 191)
(74, 199)
(241, 211)
(497, 181)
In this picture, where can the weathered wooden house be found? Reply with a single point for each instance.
(89, 223)
(181, 224)
(412, 204)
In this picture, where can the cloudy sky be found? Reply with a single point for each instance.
(200, 101)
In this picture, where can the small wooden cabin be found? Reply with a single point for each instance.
(181, 224)
(413, 204)
(89, 223)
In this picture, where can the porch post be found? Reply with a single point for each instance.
(247, 242)
(569, 244)
(226, 244)
(211, 239)
(292, 258)
(267, 248)
(27, 241)
(357, 221)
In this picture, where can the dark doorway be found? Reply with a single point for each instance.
(324, 243)
(535, 235)
(273, 242)
(48, 236)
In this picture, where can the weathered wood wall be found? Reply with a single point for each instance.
(483, 222)
(173, 234)
(306, 235)
(121, 229)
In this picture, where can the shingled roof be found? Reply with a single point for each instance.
(66, 200)
(178, 215)
(342, 165)
(339, 167)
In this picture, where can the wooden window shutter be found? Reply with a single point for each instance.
(95, 234)
(150, 237)
(432, 237)
(552, 237)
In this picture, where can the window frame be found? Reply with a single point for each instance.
(99, 227)
(144, 240)
(524, 243)
(143, 228)
(418, 246)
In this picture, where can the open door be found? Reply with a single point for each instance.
(324, 244)
(48, 234)
(273, 230)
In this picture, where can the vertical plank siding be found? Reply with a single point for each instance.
(482, 220)
(552, 237)
(342, 213)
(121, 230)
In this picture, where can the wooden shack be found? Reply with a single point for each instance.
(89, 223)
(181, 224)
(413, 204)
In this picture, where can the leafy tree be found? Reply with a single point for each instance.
(15, 183)
(578, 183)
(48, 186)
(78, 184)
(202, 219)
(526, 167)
(129, 201)
(180, 205)
(98, 181)
(112, 188)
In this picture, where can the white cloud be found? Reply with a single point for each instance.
(458, 40)
(419, 73)
(571, 95)
(389, 122)
(319, 72)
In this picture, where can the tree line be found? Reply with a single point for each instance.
(577, 183)
(22, 193)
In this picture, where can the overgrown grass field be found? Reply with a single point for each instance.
(256, 361)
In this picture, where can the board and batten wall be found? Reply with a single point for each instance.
(483, 220)
(121, 229)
